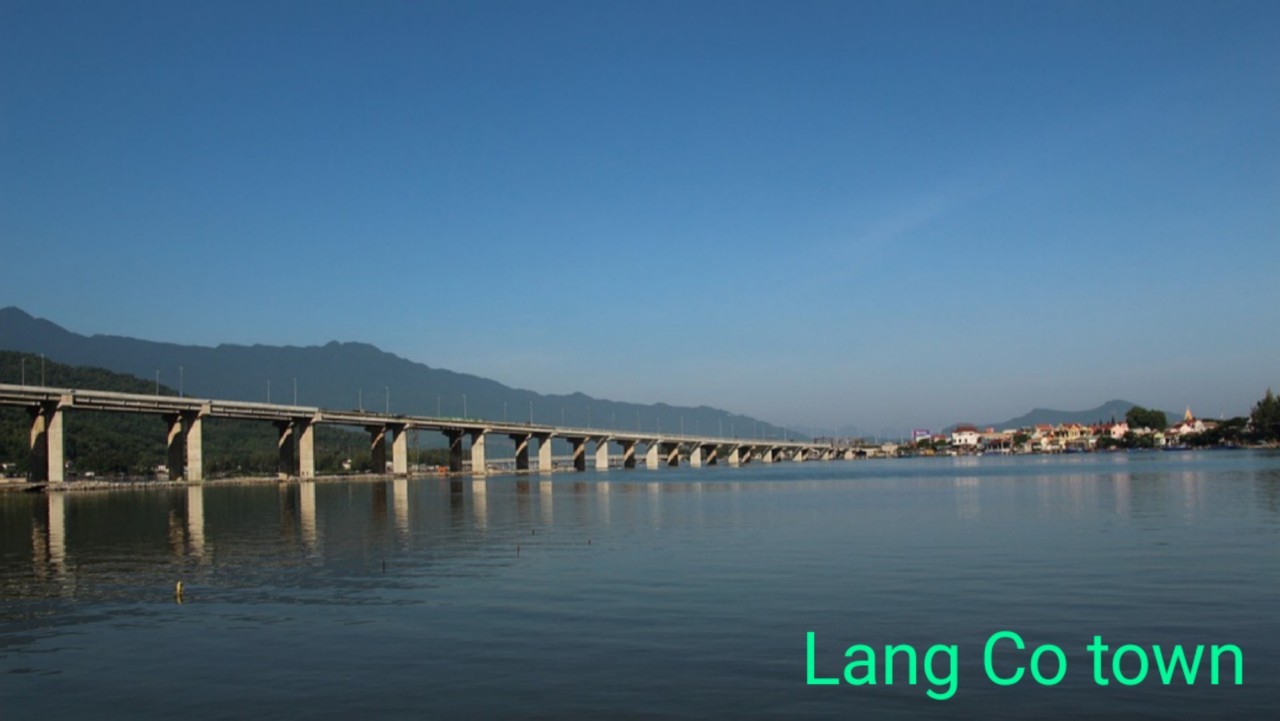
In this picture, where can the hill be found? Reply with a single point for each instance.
(1114, 409)
(349, 375)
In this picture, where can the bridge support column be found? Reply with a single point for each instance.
(735, 456)
(192, 424)
(710, 454)
(286, 463)
(455, 451)
(602, 454)
(176, 458)
(185, 457)
(579, 453)
(400, 450)
(651, 455)
(477, 452)
(378, 448)
(673, 454)
(545, 461)
(47, 461)
(799, 455)
(848, 455)
(766, 455)
(628, 454)
(305, 432)
(522, 450)
(695, 456)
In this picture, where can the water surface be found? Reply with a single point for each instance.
(678, 593)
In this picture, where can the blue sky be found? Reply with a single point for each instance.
(881, 214)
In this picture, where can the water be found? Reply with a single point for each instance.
(645, 594)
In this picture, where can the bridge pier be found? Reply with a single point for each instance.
(628, 454)
(455, 450)
(602, 454)
(710, 454)
(799, 455)
(286, 463)
(651, 455)
(399, 450)
(477, 453)
(673, 454)
(46, 445)
(185, 446)
(579, 453)
(695, 455)
(735, 456)
(522, 450)
(378, 448)
(305, 433)
(766, 455)
(545, 462)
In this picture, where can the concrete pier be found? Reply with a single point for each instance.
(544, 454)
(651, 455)
(286, 465)
(579, 453)
(47, 460)
(695, 456)
(305, 433)
(477, 453)
(522, 450)
(378, 448)
(602, 454)
(672, 451)
(399, 450)
(629, 454)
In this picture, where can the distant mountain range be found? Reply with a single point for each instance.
(1102, 414)
(350, 375)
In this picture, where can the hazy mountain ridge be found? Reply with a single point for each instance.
(350, 375)
(1105, 413)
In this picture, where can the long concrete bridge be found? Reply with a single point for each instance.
(295, 428)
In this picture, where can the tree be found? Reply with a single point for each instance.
(1139, 417)
(1265, 418)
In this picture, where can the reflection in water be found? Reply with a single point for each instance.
(1120, 487)
(545, 504)
(655, 503)
(602, 495)
(307, 515)
(57, 519)
(480, 503)
(400, 501)
(671, 557)
(968, 503)
(195, 520)
(1193, 493)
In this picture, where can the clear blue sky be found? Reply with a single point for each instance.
(887, 214)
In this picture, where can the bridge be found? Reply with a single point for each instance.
(295, 429)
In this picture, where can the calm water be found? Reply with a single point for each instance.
(645, 594)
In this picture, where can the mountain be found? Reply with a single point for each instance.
(349, 375)
(1114, 409)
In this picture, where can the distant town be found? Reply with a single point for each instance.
(1140, 429)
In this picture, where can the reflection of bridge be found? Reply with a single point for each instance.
(296, 439)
